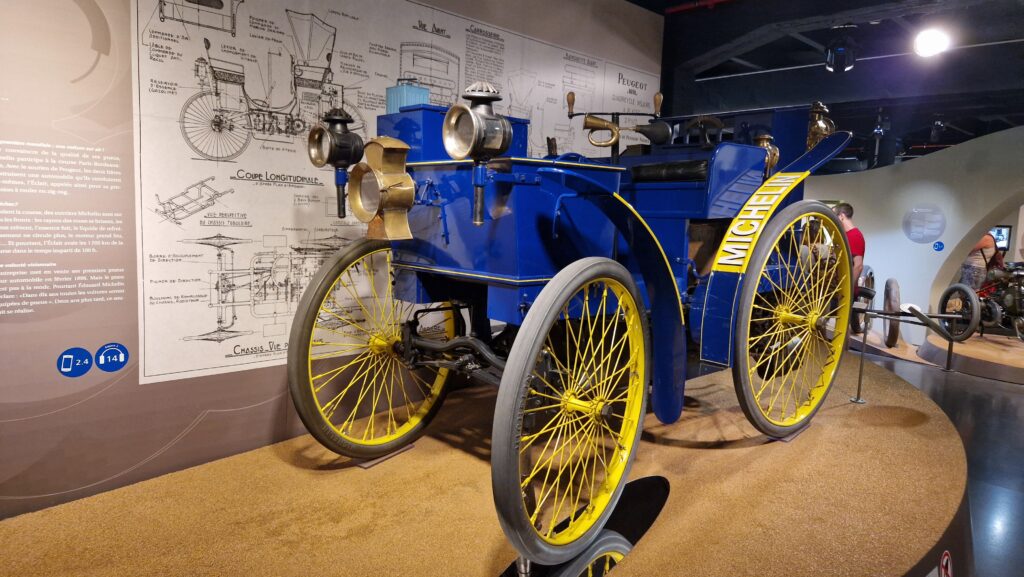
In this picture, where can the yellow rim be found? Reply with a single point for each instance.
(603, 564)
(798, 326)
(582, 411)
(360, 385)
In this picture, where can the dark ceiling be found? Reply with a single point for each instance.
(728, 55)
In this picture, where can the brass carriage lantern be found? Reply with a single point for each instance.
(765, 142)
(476, 131)
(819, 125)
(381, 191)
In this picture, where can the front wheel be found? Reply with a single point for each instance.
(962, 301)
(794, 312)
(350, 386)
(570, 410)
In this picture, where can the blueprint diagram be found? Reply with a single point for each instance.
(233, 220)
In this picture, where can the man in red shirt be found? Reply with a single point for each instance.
(844, 212)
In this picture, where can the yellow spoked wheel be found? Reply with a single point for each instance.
(348, 381)
(793, 318)
(600, 557)
(570, 410)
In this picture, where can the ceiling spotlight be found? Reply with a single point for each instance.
(931, 41)
(841, 52)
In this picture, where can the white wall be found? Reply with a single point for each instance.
(613, 29)
(1016, 252)
(975, 184)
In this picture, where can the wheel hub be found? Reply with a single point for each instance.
(379, 344)
(573, 404)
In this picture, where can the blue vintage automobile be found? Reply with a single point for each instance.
(578, 286)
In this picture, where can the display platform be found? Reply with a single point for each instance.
(875, 489)
(991, 356)
(876, 346)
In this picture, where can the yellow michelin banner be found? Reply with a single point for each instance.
(734, 252)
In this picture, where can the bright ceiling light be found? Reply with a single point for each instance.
(931, 41)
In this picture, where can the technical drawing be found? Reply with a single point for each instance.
(195, 198)
(434, 67)
(221, 119)
(269, 287)
(524, 103)
(582, 81)
(205, 13)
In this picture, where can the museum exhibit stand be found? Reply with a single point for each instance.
(868, 489)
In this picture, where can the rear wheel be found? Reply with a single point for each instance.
(570, 410)
(962, 301)
(350, 387)
(891, 305)
(794, 311)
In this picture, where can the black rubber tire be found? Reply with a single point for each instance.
(891, 304)
(508, 413)
(608, 542)
(858, 321)
(965, 328)
(766, 243)
(299, 345)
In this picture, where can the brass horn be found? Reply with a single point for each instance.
(593, 124)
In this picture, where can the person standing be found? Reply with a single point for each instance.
(844, 212)
(975, 266)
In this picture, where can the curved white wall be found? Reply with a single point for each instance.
(975, 184)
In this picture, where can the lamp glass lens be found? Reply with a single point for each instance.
(493, 134)
(464, 131)
(369, 192)
(325, 143)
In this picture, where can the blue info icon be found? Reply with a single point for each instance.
(74, 362)
(112, 357)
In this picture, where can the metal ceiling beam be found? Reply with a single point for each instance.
(771, 32)
(746, 63)
(958, 129)
(807, 41)
(904, 24)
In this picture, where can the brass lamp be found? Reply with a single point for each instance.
(381, 192)
(476, 131)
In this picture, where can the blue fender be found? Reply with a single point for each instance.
(718, 309)
(668, 339)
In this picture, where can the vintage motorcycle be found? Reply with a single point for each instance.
(1002, 299)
